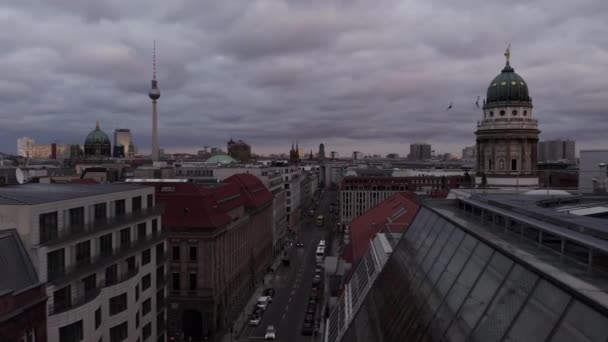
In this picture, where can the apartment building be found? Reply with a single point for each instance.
(101, 252)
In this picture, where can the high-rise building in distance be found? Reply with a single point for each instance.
(24, 146)
(420, 151)
(123, 137)
(554, 150)
(468, 153)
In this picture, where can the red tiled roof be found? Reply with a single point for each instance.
(189, 205)
(252, 188)
(393, 215)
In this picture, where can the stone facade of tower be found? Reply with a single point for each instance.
(507, 135)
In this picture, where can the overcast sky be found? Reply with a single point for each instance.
(361, 75)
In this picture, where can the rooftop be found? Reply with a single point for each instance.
(31, 194)
(14, 261)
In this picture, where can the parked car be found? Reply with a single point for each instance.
(263, 302)
(254, 320)
(307, 329)
(309, 318)
(270, 333)
(318, 270)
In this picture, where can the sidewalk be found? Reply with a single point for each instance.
(243, 319)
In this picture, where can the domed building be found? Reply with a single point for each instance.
(507, 135)
(97, 144)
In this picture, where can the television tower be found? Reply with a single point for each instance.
(154, 94)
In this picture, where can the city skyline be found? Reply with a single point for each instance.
(355, 77)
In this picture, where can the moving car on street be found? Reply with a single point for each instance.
(270, 333)
(254, 320)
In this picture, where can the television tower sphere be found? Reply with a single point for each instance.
(154, 92)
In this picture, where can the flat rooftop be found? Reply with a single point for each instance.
(30, 194)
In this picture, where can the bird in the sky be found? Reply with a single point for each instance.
(449, 107)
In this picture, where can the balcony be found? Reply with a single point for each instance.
(70, 233)
(82, 297)
(99, 261)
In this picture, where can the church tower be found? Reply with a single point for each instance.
(507, 135)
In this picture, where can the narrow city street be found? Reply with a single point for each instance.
(293, 283)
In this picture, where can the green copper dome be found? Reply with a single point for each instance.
(508, 87)
(97, 137)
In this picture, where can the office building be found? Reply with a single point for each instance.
(468, 153)
(486, 268)
(334, 155)
(556, 150)
(239, 150)
(357, 155)
(420, 151)
(124, 141)
(100, 250)
(359, 194)
(221, 245)
(593, 171)
(24, 145)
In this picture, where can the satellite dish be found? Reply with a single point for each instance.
(22, 176)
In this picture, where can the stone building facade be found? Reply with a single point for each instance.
(220, 245)
(507, 135)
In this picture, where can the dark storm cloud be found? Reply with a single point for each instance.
(371, 76)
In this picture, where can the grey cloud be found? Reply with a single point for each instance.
(353, 74)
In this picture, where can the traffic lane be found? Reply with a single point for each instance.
(282, 279)
(285, 284)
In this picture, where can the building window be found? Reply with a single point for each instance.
(119, 333)
(175, 253)
(160, 300)
(145, 256)
(193, 281)
(90, 285)
(160, 276)
(62, 298)
(160, 253)
(160, 323)
(111, 275)
(146, 307)
(120, 207)
(71, 333)
(137, 319)
(125, 238)
(131, 265)
(83, 253)
(136, 292)
(48, 226)
(192, 253)
(150, 200)
(55, 263)
(97, 318)
(525, 112)
(105, 245)
(136, 204)
(514, 112)
(146, 282)
(118, 304)
(76, 219)
(175, 281)
(502, 113)
(141, 231)
(513, 164)
(154, 226)
(147, 331)
(101, 212)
